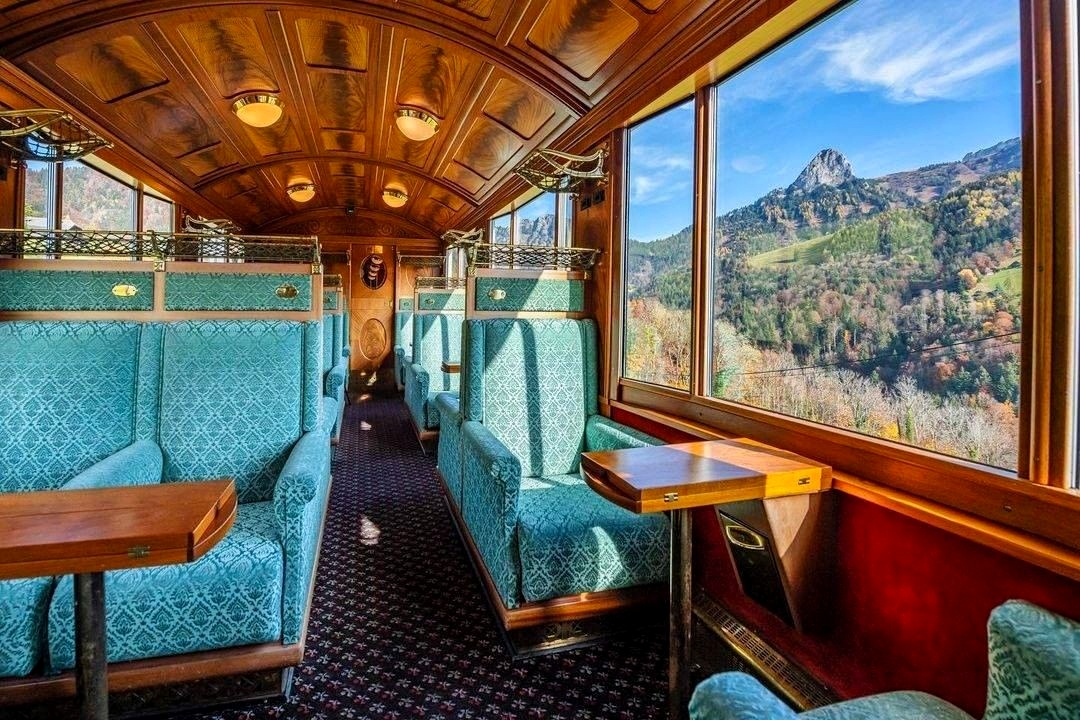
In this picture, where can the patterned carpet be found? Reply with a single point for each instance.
(399, 628)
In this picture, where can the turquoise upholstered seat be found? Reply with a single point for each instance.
(448, 458)
(116, 403)
(334, 372)
(403, 340)
(530, 405)
(436, 339)
(1034, 673)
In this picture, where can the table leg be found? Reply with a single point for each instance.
(91, 677)
(679, 610)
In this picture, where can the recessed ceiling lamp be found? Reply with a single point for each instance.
(301, 192)
(416, 124)
(394, 198)
(259, 110)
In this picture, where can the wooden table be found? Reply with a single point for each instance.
(86, 532)
(678, 478)
(451, 367)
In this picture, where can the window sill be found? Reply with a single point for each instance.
(1011, 541)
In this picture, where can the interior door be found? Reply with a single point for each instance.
(371, 306)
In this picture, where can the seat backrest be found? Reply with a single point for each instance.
(532, 383)
(437, 339)
(235, 395)
(403, 326)
(1034, 664)
(68, 395)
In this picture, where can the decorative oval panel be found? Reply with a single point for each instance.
(373, 339)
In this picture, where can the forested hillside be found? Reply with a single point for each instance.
(888, 305)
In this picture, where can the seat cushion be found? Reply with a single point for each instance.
(231, 596)
(431, 410)
(571, 540)
(904, 705)
(328, 414)
(449, 453)
(23, 604)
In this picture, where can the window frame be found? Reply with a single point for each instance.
(564, 218)
(1038, 499)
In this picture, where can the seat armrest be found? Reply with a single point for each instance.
(417, 382)
(602, 433)
(137, 464)
(299, 496)
(491, 485)
(449, 407)
(334, 384)
(346, 351)
(736, 696)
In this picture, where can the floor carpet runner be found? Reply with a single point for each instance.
(399, 628)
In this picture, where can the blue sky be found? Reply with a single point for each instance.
(892, 85)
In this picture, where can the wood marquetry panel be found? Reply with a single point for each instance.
(487, 148)
(431, 77)
(231, 52)
(274, 140)
(582, 34)
(114, 68)
(170, 122)
(518, 107)
(464, 177)
(477, 8)
(344, 141)
(233, 185)
(208, 160)
(333, 44)
(340, 99)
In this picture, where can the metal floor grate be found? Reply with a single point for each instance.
(787, 678)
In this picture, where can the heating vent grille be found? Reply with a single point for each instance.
(785, 676)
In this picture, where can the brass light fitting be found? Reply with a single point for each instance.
(259, 110)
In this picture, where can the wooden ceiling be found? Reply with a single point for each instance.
(502, 77)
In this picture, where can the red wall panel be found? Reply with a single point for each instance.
(910, 601)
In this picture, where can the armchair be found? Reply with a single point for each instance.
(436, 339)
(1034, 673)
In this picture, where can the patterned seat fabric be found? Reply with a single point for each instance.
(571, 541)
(531, 408)
(403, 339)
(1034, 664)
(335, 374)
(183, 400)
(56, 377)
(22, 620)
(449, 453)
(231, 596)
(436, 339)
(1034, 673)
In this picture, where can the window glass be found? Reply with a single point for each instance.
(94, 201)
(536, 221)
(500, 230)
(157, 214)
(38, 198)
(566, 221)
(867, 243)
(660, 210)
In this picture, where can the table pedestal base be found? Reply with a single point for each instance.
(91, 675)
(680, 612)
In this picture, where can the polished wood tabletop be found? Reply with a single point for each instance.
(62, 532)
(712, 472)
(451, 367)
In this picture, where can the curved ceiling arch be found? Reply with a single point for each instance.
(384, 224)
(48, 27)
(159, 77)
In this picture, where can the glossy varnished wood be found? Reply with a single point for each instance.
(672, 477)
(79, 531)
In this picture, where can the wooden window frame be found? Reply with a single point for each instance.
(1037, 500)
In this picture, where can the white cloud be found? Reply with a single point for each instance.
(748, 164)
(909, 51)
(658, 174)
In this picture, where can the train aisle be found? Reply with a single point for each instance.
(399, 628)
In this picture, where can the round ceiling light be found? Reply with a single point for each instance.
(416, 124)
(301, 192)
(394, 198)
(259, 110)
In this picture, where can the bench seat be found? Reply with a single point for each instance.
(23, 603)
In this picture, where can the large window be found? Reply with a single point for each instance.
(536, 221)
(158, 214)
(660, 213)
(38, 200)
(94, 201)
(867, 247)
(500, 229)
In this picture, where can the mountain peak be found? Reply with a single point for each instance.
(829, 167)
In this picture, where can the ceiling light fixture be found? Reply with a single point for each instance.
(259, 110)
(301, 192)
(394, 198)
(416, 124)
